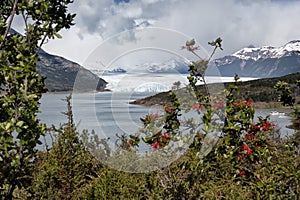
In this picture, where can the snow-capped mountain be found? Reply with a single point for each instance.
(117, 70)
(143, 23)
(266, 61)
(170, 66)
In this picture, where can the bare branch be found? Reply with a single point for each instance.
(12, 14)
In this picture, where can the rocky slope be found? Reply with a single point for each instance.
(64, 75)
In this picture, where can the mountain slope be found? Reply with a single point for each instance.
(262, 62)
(61, 74)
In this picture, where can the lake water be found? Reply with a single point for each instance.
(108, 113)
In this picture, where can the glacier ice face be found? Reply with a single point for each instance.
(146, 82)
(153, 83)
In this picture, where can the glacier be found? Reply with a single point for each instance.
(154, 83)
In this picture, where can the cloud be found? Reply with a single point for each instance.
(107, 18)
(238, 22)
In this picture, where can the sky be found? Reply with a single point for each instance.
(239, 23)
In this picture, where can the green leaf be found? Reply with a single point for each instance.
(7, 126)
(260, 184)
(190, 42)
(58, 35)
(20, 123)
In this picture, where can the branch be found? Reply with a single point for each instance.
(211, 55)
(12, 14)
(25, 18)
(42, 42)
(44, 39)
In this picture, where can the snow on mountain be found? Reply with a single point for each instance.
(268, 51)
(266, 61)
(170, 66)
(143, 23)
(265, 52)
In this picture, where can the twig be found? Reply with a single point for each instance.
(12, 14)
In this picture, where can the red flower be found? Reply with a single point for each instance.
(249, 103)
(266, 126)
(240, 103)
(247, 149)
(242, 172)
(240, 157)
(167, 135)
(156, 145)
(190, 47)
(217, 103)
(257, 128)
(250, 136)
(197, 106)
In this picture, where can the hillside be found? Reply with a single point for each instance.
(261, 91)
(61, 74)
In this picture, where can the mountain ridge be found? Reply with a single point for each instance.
(266, 61)
(64, 75)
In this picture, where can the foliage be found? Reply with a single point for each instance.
(286, 97)
(21, 87)
(61, 171)
(285, 92)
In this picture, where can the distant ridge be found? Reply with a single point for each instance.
(262, 62)
(261, 91)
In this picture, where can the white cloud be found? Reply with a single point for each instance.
(238, 22)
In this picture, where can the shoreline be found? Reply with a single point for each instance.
(77, 92)
(256, 105)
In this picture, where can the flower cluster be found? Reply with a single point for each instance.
(196, 106)
(252, 143)
(218, 103)
(190, 47)
(150, 118)
(247, 149)
(161, 140)
(241, 103)
(263, 126)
